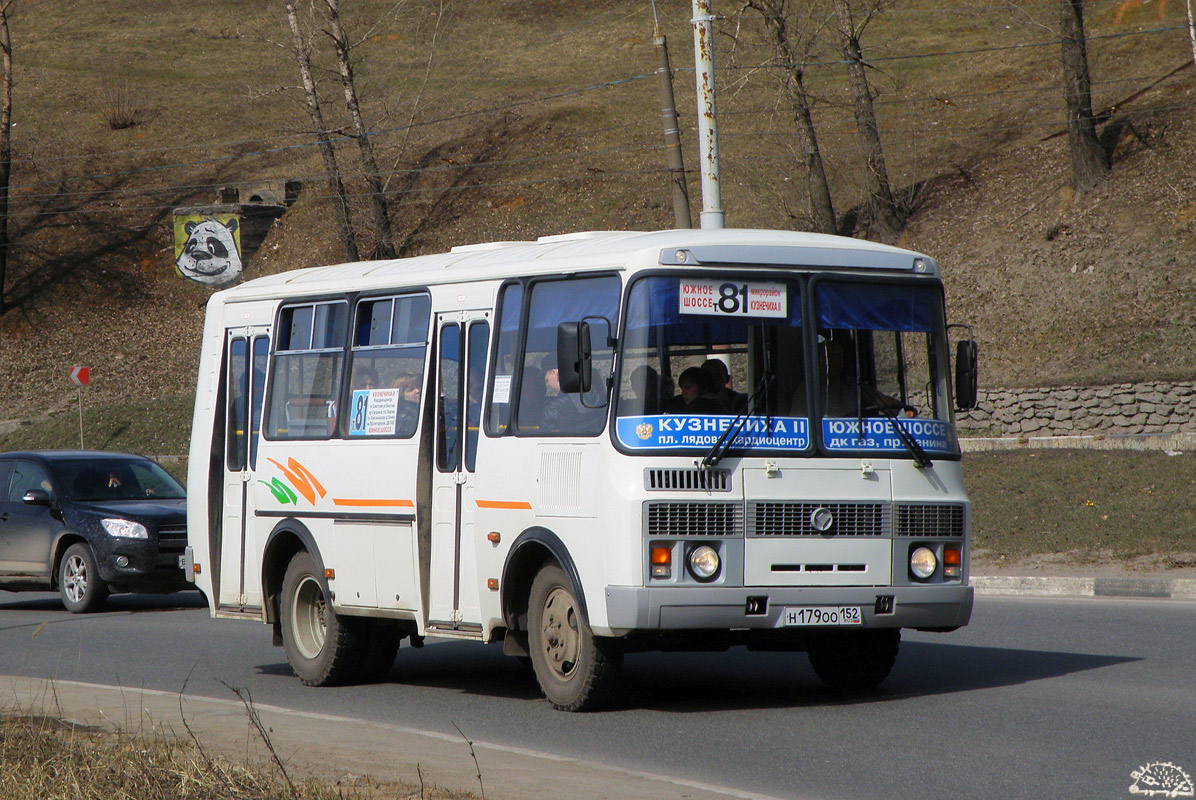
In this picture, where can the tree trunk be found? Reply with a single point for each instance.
(1089, 161)
(822, 211)
(880, 194)
(335, 184)
(5, 145)
(1192, 30)
(383, 237)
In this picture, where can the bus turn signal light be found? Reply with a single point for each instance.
(952, 563)
(662, 561)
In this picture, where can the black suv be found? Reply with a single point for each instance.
(88, 524)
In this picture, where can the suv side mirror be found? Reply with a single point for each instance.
(575, 360)
(966, 374)
(36, 497)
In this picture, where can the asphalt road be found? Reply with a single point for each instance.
(1036, 698)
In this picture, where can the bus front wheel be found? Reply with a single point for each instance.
(854, 660)
(573, 667)
(319, 644)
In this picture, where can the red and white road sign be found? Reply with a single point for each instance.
(80, 376)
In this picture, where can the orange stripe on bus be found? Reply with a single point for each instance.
(348, 501)
(511, 504)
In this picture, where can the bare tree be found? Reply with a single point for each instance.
(791, 56)
(5, 142)
(383, 236)
(302, 53)
(885, 210)
(1089, 159)
(1192, 30)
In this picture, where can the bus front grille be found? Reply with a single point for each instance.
(929, 519)
(798, 519)
(687, 479)
(694, 519)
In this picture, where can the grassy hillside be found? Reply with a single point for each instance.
(507, 120)
(501, 120)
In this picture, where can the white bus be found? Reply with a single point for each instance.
(585, 446)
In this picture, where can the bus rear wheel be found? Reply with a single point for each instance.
(574, 668)
(853, 660)
(320, 646)
(379, 646)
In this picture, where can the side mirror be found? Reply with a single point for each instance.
(36, 497)
(574, 359)
(966, 374)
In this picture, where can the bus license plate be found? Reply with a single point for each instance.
(822, 616)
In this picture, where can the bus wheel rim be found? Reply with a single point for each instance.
(562, 639)
(307, 615)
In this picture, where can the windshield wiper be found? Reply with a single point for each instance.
(724, 442)
(921, 459)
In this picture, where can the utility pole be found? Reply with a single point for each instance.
(672, 134)
(712, 201)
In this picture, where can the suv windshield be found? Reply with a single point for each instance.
(113, 479)
(873, 357)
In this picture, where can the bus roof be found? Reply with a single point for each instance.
(595, 250)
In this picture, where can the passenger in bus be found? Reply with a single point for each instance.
(563, 413)
(720, 390)
(839, 392)
(365, 378)
(841, 395)
(409, 394)
(693, 384)
(645, 385)
(531, 397)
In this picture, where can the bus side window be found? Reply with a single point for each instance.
(387, 369)
(504, 375)
(305, 377)
(478, 339)
(593, 300)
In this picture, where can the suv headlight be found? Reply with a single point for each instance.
(125, 528)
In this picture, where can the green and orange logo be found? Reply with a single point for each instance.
(300, 477)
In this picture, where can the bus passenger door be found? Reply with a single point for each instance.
(247, 350)
(461, 371)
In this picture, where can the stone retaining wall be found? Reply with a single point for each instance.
(1123, 408)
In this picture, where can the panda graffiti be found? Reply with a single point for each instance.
(210, 255)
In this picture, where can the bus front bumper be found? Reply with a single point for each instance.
(631, 608)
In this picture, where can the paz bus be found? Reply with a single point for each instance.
(585, 446)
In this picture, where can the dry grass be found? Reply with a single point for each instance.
(45, 758)
(42, 758)
(1092, 507)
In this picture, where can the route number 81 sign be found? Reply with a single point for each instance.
(733, 299)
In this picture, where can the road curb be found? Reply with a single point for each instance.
(339, 748)
(1059, 586)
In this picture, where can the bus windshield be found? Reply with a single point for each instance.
(702, 355)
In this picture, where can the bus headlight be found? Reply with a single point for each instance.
(922, 563)
(704, 563)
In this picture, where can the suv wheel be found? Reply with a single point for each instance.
(79, 582)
